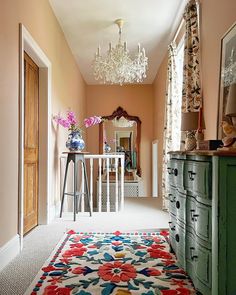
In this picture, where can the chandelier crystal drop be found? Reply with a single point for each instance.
(118, 67)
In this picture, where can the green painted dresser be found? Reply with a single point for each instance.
(202, 208)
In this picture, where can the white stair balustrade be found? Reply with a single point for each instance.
(106, 182)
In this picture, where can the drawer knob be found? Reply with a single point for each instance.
(169, 170)
(175, 172)
(173, 199)
(191, 175)
(193, 216)
(193, 256)
(177, 204)
(173, 228)
(177, 238)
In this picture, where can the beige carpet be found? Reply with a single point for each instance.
(140, 214)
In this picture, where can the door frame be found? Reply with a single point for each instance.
(28, 44)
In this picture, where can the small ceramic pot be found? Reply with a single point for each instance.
(75, 141)
(107, 148)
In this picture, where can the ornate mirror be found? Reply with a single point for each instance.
(121, 133)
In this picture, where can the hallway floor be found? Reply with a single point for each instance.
(140, 214)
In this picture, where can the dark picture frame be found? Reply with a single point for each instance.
(228, 55)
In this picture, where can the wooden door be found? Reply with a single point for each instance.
(31, 142)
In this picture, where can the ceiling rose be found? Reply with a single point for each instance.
(117, 66)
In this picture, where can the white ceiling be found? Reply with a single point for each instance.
(89, 23)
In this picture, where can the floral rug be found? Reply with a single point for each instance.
(112, 263)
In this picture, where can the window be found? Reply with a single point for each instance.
(177, 97)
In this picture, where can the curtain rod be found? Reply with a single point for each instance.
(182, 20)
(179, 28)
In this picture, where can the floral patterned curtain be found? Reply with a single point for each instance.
(171, 140)
(192, 98)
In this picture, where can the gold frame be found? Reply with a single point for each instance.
(228, 42)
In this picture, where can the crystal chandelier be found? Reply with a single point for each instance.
(118, 67)
(122, 122)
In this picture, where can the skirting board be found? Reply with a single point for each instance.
(9, 251)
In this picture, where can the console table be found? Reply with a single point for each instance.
(75, 157)
(202, 208)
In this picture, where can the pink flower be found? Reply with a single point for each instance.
(88, 122)
(63, 122)
(71, 117)
(71, 123)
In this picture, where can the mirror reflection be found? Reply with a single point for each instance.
(120, 133)
(119, 136)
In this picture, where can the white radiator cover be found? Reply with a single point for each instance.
(131, 189)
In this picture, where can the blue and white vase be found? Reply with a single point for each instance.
(107, 148)
(75, 141)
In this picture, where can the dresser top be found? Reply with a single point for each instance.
(220, 152)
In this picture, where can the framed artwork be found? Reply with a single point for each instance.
(227, 75)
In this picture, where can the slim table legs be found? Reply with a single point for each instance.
(64, 186)
(75, 158)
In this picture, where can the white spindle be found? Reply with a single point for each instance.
(82, 188)
(122, 184)
(116, 200)
(102, 192)
(91, 183)
(100, 185)
(108, 185)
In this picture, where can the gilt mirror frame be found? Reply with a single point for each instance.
(118, 113)
(228, 43)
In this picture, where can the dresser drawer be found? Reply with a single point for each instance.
(198, 217)
(198, 264)
(177, 205)
(202, 222)
(177, 240)
(180, 246)
(175, 169)
(180, 207)
(172, 231)
(197, 178)
(172, 200)
(190, 209)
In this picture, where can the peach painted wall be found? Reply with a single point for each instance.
(216, 18)
(68, 90)
(137, 100)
